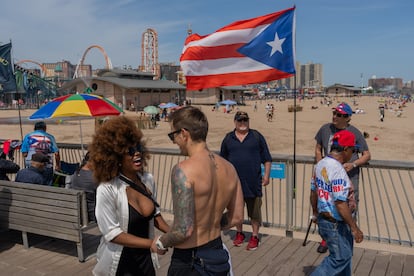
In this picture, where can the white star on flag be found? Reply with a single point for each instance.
(276, 45)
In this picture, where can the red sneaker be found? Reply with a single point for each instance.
(253, 243)
(323, 247)
(239, 239)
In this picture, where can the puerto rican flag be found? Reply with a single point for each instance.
(250, 51)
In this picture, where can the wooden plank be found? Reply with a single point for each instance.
(68, 202)
(396, 264)
(72, 216)
(408, 269)
(47, 191)
(307, 264)
(381, 264)
(58, 220)
(29, 206)
(366, 263)
(68, 228)
(67, 235)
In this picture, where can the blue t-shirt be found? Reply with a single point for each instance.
(247, 157)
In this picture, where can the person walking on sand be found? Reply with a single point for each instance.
(203, 186)
(341, 117)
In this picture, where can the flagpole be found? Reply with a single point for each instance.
(294, 140)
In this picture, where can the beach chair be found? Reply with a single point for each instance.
(62, 177)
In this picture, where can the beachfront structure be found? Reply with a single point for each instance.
(217, 94)
(127, 88)
(342, 90)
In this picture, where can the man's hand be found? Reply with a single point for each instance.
(265, 181)
(155, 249)
(358, 235)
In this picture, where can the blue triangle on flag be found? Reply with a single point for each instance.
(259, 49)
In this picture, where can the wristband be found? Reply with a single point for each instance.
(159, 244)
(354, 165)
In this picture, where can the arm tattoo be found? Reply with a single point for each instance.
(183, 208)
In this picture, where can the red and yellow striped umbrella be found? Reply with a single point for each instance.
(77, 105)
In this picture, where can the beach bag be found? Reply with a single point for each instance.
(211, 261)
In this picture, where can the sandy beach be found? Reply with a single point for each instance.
(388, 140)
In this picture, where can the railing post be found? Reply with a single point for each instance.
(289, 199)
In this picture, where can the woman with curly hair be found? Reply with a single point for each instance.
(125, 205)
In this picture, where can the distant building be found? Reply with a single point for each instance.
(386, 84)
(342, 90)
(169, 71)
(217, 94)
(126, 87)
(308, 77)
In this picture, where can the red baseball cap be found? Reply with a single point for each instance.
(344, 138)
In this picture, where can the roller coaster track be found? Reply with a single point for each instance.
(80, 63)
(42, 67)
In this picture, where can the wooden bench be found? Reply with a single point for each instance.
(44, 210)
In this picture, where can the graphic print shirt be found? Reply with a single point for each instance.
(331, 183)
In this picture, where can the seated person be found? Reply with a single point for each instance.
(7, 166)
(83, 179)
(35, 172)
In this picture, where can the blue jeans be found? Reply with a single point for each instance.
(340, 243)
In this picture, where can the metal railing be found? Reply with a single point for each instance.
(386, 208)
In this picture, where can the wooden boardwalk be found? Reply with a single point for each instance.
(276, 255)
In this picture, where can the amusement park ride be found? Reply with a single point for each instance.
(51, 78)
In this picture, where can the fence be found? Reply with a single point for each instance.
(385, 210)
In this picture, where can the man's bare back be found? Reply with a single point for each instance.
(215, 185)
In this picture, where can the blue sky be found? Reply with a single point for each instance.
(349, 38)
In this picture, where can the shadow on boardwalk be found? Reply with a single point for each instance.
(276, 256)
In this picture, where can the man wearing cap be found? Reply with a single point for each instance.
(341, 116)
(41, 141)
(331, 200)
(35, 173)
(247, 149)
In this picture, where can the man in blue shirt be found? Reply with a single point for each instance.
(332, 204)
(41, 141)
(247, 149)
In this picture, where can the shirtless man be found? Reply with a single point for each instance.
(203, 187)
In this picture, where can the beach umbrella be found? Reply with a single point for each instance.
(152, 110)
(168, 105)
(227, 102)
(77, 105)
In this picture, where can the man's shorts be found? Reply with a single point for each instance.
(254, 208)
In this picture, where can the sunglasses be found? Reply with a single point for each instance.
(242, 120)
(339, 115)
(171, 135)
(133, 150)
(354, 150)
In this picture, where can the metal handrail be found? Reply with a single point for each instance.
(386, 213)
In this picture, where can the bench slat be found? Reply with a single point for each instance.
(29, 208)
(61, 220)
